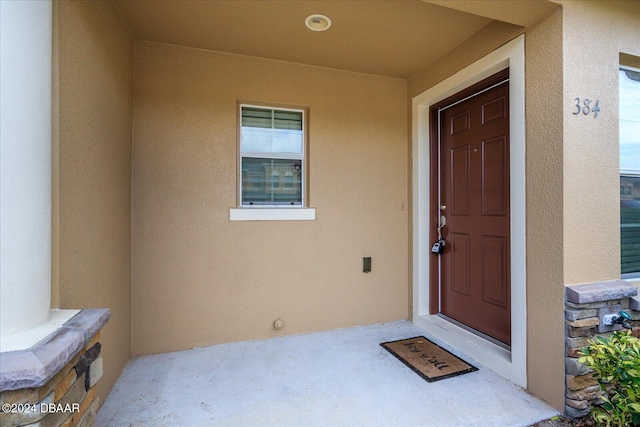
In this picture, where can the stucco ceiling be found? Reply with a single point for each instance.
(394, 38)
(390, 38)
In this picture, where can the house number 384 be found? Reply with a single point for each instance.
(586, 107)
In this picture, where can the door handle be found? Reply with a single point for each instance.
(442, 222)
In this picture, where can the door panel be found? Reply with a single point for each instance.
(460, 122)
(493, 110)
(494, 176)
(494, 270)
(460, 180)
(475, 266)
(460, 254)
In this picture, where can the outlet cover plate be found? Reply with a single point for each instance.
(609, 309)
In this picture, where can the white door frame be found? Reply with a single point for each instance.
(510, 364)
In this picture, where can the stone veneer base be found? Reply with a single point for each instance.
(35, 366)
(582, 303)
(52, 384)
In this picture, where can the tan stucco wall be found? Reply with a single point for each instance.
(545, 290)
(489, 38)
(199, 279)
(595, 32)
(92, 185)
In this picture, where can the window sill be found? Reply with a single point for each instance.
(632, 278)
(272, 214)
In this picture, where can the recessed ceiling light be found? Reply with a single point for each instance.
(317, 22)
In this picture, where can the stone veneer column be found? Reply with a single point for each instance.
(582, 304)
(53, 382)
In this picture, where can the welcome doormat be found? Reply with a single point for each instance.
(431, 362)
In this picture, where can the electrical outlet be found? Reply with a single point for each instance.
(604, 314)
(366, 264)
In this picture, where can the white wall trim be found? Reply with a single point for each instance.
(272, 214)
(511, 365)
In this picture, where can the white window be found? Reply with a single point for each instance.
(272, 157)
(630, 171)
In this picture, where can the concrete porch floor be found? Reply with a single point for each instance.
(336, 378)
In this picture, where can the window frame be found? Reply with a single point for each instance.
(632, 173)
(276, 212)
(276, 156)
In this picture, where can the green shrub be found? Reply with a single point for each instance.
(616, 362)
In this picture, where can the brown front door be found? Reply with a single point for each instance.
(475, 267)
